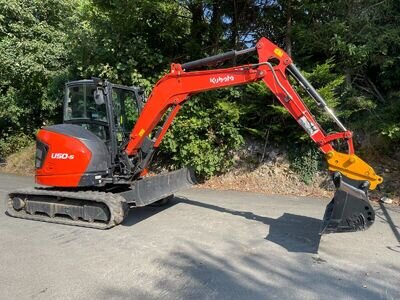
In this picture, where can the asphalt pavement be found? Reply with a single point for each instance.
(204, 245)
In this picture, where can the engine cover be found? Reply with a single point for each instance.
(68, 155)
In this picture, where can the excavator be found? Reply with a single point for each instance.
(91, 169)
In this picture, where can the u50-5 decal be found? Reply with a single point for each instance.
(62, 156)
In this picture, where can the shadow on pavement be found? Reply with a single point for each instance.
(139, 214)
(388, 219)
(383, 214)
(196, 273)
(293, 232)
(193, 271)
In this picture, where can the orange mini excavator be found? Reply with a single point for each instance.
(94, 164)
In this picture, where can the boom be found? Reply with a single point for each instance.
(175, 88)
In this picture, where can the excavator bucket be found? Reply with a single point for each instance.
(349, 209)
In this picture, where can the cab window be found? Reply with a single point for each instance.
(126, 110)
(82, 109)
(81, 104)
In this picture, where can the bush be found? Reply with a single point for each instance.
(305, 160)
(205, 135)
(14, 143)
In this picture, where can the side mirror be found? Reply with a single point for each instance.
(98, 95)
(141, 95)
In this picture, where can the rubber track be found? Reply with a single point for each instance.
(115, 203)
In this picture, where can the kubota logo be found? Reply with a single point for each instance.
(219, 79)
(62, 156)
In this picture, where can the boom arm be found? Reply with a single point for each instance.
(175, 88)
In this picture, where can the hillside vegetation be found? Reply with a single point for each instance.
(349, 50)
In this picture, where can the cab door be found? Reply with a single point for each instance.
(81, 108)
(126, 111)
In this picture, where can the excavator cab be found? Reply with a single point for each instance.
(87, 149)
(107, 110)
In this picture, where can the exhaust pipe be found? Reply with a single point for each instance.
(350, 209)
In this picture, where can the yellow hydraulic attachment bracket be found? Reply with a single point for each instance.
(353, 167)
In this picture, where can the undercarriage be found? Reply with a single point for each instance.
(95, 209)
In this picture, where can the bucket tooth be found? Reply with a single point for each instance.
(350, 209)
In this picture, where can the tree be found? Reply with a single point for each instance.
(33, 53)
(122, 39)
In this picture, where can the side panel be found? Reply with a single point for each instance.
(66, 160)
(68, 155)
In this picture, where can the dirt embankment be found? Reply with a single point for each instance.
(21, 162)
(272, 176)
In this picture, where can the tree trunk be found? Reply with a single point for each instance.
(289, 22)
(215, 26)
(235, 34)
(196, 28)
(348, 79)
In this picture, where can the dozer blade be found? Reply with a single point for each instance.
(151, 189)
(349, 210)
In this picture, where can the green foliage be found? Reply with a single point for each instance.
(329, 85)
(389, 122)
(305, 160)
(204, 136)
(261, 111)
(32, 51)
(347, 49)
(392, 132)
(14, 143)
(120, 39)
